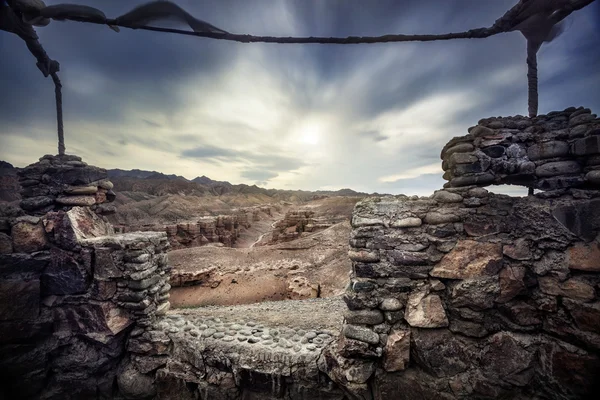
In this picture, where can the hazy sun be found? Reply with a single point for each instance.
(309, 133)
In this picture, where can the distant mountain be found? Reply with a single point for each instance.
(140, 174)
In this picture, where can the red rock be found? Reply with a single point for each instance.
(425, 311)
(584, 257)
(469, 259)
(397, 351)
(511, 283)
(571, 288)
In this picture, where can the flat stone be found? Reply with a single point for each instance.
(397, 351)
(558, 168)
(586, 315)
(469, 259)
(409, 222)
(484, 178)
(79, 200)
(425, 311)
(593, 177)
(35, 203)
(81, 190)
(584, 256)
(571, 288)
(437, 218)
(461, 158)
(581, 119)
(364, 317)
(481, 130)
(362, 334)
(549, 149)
(443, 196)
(459, 148)
(364, 256)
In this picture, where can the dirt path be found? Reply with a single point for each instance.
(263, 235)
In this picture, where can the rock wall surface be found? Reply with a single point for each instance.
(555, 151)
(223, 229)
(468, 294)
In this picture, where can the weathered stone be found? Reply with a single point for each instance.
(406, 222)
(351, 348)
(81, 190)
(79, 200)
(443, 196)
(557, 168)
(6, 246)
(35, 203)
(425, 311)
(481, 130)
(581, 119)
(511, 283)
(459, 148)
(366, 317)
(504, 360)
(469, 259)
(584, 256)
(494, 151)
(28, 237)
(478, 294)
(391, 304)
(519, 251)
(521, 313)
(461, 158)
(593, 177)
(64, 275)
(439, 352)
(135, 385)
(104, 265)
(359, 333)
(437, 218)
(571, 288)
(364, 256)
(144, 284)
(586, 316)
(467, 328)
(408, 257)
(484, 178)
(397, 351)
(586, 146)
(19, 299)
(550, 149)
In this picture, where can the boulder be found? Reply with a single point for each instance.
(397, 351)
(469, 259)
(425, 311)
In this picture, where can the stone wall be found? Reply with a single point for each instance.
(71, 291)
(549, 152)
(468, 294)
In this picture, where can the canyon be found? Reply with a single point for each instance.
(462, 294)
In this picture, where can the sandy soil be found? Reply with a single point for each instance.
(250, 275)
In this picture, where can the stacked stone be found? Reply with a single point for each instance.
(455, 294)
(70, 289)
(62, 182)
(557, 151)
(132, 271)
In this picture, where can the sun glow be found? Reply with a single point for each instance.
(309, 133)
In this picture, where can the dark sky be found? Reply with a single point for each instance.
(369, 117)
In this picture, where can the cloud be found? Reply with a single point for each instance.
(369, 117)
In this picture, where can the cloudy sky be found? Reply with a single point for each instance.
(368, 117)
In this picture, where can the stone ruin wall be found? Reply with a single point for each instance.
(71, 291)
(470, 294)
(223, 229)
(297, 221)
(560, 150)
